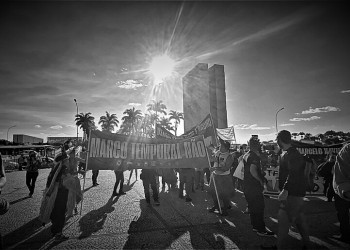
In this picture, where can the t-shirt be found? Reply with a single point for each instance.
(291, 173)
(33, 166)
(251, 183)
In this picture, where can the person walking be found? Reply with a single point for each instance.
(341, 185)
(292, 187)
(119, 180)
(148, 177)
(254, 183)
(32, 172)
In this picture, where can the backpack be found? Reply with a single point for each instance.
(309, 173)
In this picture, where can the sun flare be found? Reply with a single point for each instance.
(161, 67)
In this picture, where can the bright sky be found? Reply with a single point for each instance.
(276, 54)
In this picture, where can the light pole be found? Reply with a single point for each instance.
(8, 131)
(76, 104)
(276, 118)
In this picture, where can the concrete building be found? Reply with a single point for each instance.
(26, 139)
(203, 93)
(61, 140)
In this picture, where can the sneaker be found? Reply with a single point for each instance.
(188, 199)
(255, 230)
(114, 194)
(121, 193)
(30, 195)
(212, 210)
(265, 233)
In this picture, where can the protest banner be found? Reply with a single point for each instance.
(114, 151)
(226, 134)
(205, 128)
(318, 153)
(163, 133)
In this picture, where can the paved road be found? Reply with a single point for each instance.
(127, 222)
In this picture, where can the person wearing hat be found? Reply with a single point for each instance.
(254, 182)
(292, 186)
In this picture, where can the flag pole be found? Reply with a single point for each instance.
(86, 167)
(212, 178)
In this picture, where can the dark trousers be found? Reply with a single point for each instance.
(153, 183)
(58, 214)
(328, 189)
(342, 206)
(94, 176)
(30, 180)
(256, 204)
(119, 179)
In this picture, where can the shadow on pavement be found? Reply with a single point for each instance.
(19, 200)
(94, 220)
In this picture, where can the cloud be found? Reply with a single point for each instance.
(287, 124)
(129, 84)
(252, 127)
(345, 91)
(37, 126)
(134, 104)
(71, 126)
(319, 110)
(305, 119)
(56, 127)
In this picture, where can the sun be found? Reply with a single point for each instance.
(161, 67)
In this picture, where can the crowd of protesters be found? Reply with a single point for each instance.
(63, 191)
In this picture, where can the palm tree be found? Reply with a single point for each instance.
(165, 123)
(177, 116)
(85, 121)
(108, 122)
(307, 136)
(157, 107)
(131, 117)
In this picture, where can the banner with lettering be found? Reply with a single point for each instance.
(226, 134)
(163, 133)
(114, 151)
(318, 153)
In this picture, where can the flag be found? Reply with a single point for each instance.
(226, 134)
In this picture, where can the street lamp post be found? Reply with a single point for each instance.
(8, 131)
(76, 104)
(276, 118)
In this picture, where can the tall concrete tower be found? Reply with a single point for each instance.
(204, 93)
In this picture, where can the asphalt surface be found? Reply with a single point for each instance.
(126, 222)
